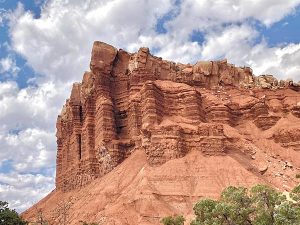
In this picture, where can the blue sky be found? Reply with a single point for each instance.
(45, 46)
(25, 70)
(285, 31)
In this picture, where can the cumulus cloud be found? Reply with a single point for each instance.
(29, 150)
(34, 106)
(232, 42)
(57, 46)
(283, 62)
(229, 30)
(64, 33)
(23, 190)
(27, 130)
(238, 45)
(205, 14)
(27, 141)
(8, 66)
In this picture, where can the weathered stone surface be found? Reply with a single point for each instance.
(288, 137)
(133, 101)
(266, 121)
(186, 131)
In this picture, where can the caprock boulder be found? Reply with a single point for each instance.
(141, 137)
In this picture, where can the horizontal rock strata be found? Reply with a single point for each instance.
(139, 101)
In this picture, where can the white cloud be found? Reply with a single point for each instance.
(280, 61)
(231, 42)
(32, 106)
(8, 66)
(228, 32)
(7, 89)
(27, 125)
(237, 44)
(205, 14)
(23, 190)
(27, 141)
(29, 150)
(58, 44)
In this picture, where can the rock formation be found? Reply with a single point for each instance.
(132, 101)
(141, 107)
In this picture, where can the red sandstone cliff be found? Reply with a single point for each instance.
(141, 138)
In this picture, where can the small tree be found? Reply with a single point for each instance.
(295, 194)
(86, 223)
(262, 205)
(204, 211)
(287, 214)
(265, 200)
(170, 220)
(8, 216)
(238, 204)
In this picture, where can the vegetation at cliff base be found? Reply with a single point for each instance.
(261, 205)
(176, 220)
(9, 216)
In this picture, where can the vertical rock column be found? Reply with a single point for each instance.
(64, 127)
(69, 140)
(151, 108)
(194, 111)
(59, 156)
(134, 117)
(103, 57)
(75, 139)
(88, 135)
(105, 123)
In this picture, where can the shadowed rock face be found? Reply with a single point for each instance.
(139, 101)
(141, 138)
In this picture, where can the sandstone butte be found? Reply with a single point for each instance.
(141, 138)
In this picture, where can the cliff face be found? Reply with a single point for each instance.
(139, 101)
(186, 131)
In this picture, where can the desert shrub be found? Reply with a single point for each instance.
(173, 220)
(261, 205)
(9, 216)
(86, 223)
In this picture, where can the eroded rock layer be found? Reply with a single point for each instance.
(186, 132)
(139, 101)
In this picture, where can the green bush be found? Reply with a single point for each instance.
(176, 220)
(9, 216)
(261, 205)
(85, 223)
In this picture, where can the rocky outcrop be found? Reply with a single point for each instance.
(288, 137)
(139, 101)
(141, 138)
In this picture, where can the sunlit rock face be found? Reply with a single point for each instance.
(137, 101)
(141, 138)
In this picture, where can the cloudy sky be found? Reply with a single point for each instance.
(45, 45)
